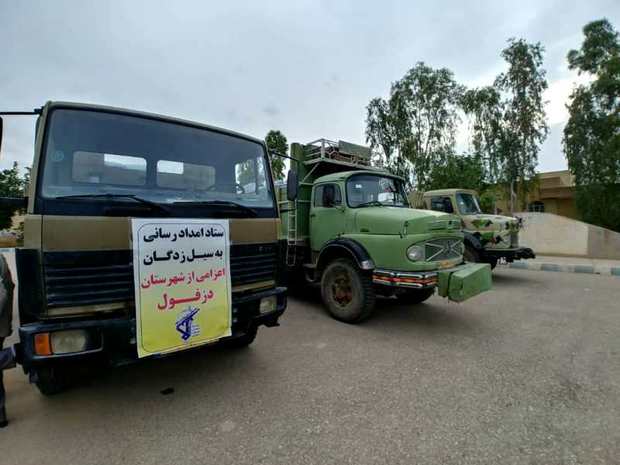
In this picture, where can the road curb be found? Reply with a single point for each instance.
(565, 268)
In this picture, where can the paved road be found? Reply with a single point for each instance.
(526, 374)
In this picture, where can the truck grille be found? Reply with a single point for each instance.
(251, 263)
(87, 278)
(95, 277)
(443, 249)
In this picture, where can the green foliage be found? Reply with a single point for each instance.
(11, 185)
(600, 204)
(592, 134)
(487, 201)
(276, 142)
(485, 108)
(413, 131)
(415, 127)
(454, 171)
(508, 118)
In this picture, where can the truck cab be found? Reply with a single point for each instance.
(488, 238)
(95, 169)
(350, 230)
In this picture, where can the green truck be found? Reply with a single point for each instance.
(349, 228)
(488, 238)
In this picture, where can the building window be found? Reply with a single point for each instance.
(537, 207)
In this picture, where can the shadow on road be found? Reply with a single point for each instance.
(514, 278)
(431, 317)
(163, 378)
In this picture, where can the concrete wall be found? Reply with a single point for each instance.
(550, 234)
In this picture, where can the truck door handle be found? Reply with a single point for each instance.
(312, 215)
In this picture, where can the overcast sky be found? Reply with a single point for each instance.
(306, 67)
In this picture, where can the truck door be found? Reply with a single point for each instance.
(326, 215)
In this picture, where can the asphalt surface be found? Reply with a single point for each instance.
(528, 373)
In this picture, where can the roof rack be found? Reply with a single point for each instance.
(327, 150)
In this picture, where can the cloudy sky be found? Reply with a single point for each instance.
(306, 67)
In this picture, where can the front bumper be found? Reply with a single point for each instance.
(405, 279)
(116, 337)
(510, 254)
(458, 283)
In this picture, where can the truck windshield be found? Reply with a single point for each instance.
(112, 157)
(468, 204)
(371, 189)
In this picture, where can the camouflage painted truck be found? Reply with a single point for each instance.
(488, 238)
(96, 169)
(349, 229)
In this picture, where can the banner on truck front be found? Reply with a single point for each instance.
(182, 283)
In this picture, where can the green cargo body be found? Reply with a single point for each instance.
(465, 281)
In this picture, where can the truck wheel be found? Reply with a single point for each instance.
(243, 341)
(492, 262)
(347, 292)
(471, 254)
(416, 296)
(50, 380)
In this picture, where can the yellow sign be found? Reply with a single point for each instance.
(182, 283)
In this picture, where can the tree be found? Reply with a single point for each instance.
(592, 134)
(485, 109)
(415, 128)
(508, 118)
(11, 185)
(524, 114)
(457, 171)
(276, 142)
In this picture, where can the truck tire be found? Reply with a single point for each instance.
(416, 296)
(471, 254)
(243, 341)
(50, 380)
(347, 291)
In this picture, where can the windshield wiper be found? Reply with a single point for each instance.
(372, 203)
(153, 205)
(218, 203)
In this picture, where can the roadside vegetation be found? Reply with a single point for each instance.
(413, 131)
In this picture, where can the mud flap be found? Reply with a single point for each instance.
(464, 282)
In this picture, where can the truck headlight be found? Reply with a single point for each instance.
(268, 304)
(66, 342)
(415, 253)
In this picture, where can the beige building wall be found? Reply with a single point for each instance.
(555, 191)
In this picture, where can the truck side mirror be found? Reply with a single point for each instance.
(292, 185)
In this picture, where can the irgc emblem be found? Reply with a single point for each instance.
(186, 325)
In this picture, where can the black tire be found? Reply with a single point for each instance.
(243, 341)
(471, 254)
(347, 291)
(416, 296)
(50, 380)
(492, 262)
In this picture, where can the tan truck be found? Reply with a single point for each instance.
(95, 169)
(488, 238)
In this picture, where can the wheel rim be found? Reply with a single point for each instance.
(341, 288)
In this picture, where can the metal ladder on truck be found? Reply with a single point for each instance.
(291, 236)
